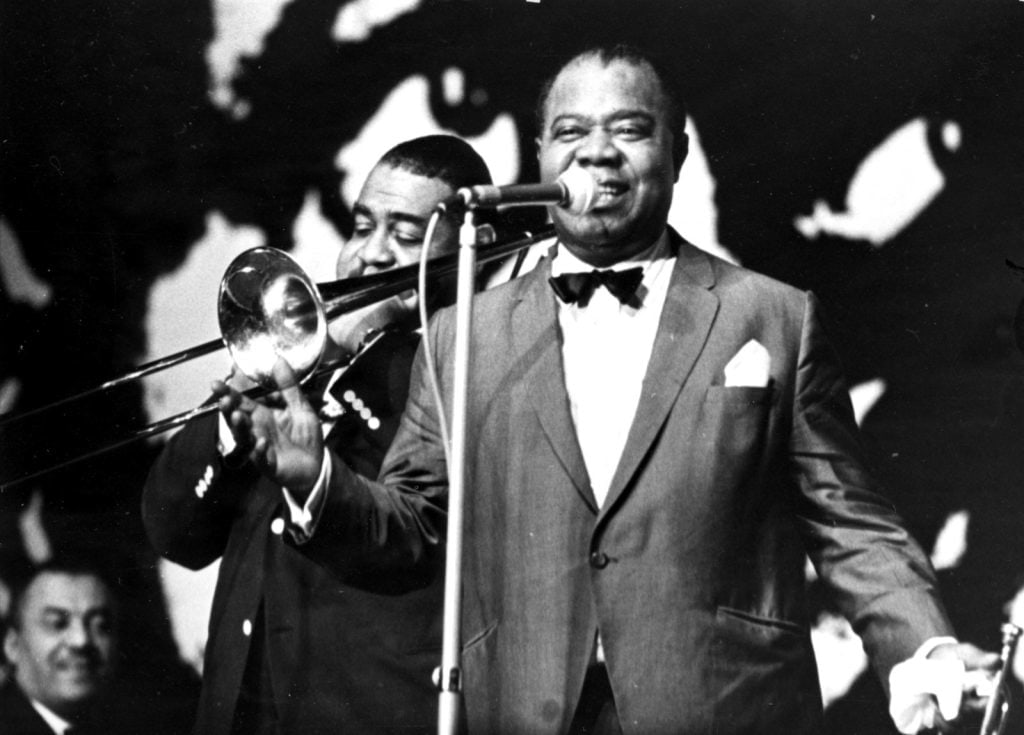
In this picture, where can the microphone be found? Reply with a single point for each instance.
(574, 190)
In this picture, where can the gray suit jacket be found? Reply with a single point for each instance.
(692, 569)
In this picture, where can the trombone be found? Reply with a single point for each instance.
(268, 306)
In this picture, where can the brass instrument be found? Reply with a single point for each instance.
(994, 722)
(268, 306)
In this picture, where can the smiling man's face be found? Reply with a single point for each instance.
(610, 119)
(62, 641)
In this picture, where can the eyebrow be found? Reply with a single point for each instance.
(56, 609)
(409, 218)
(613, 117)
(360, 210)
(393, 217)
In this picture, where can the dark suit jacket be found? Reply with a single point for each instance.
(349, 650)
(107, 714)
(693, 568)
(17, 715)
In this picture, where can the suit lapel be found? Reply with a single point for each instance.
(535, 331)
(689, 311)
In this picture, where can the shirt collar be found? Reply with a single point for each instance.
(56, 723)
(564, 261)
(653, 260)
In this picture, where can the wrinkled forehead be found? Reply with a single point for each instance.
(397, 190)
(75, 593)
(590, 86)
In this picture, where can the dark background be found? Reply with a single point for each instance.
(111, 155)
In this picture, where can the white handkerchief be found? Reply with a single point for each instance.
(917, 685)
(750, 367)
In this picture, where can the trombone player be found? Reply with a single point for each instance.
(293, 648)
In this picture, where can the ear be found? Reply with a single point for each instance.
(680, 150)
(10, 645)
(536, 144)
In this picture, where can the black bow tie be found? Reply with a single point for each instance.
(573, 288)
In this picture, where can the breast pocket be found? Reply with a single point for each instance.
(739, 396)
(732, 426)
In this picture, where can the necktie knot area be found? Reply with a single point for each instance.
(577, 288)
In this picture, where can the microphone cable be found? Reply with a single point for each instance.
(428, 353)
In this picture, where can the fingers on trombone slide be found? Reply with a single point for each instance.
(287, 381)
(261, 455)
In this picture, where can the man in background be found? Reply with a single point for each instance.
(293, 647)
(60, 642)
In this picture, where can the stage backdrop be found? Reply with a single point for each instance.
(870, 151)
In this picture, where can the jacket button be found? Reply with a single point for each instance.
(598, 560)
(247, 628)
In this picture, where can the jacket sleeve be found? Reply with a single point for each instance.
(879, 576)
(396, 524)
(191, 496)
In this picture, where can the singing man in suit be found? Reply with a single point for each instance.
(292, 647)
(653, 457)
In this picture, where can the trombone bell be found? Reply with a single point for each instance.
(268, 307)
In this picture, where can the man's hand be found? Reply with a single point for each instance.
(280, 434)
(980, 666)
(349, 330)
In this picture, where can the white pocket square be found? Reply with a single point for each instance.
(750, 367)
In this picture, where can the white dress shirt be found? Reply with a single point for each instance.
(56, 723)
(606, 346)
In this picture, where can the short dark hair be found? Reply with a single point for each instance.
(635, 56)
(72, 566)
(444, 157)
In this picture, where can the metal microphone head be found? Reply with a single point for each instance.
(575, 190)
(580, 190)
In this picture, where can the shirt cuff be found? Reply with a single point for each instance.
(921, 688)
(932, 643)
(225, 439)
(304, 518)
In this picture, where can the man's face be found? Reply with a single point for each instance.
(391, 216)
(63, 651)
(610, 120)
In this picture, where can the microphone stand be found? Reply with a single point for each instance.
(451, 648)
